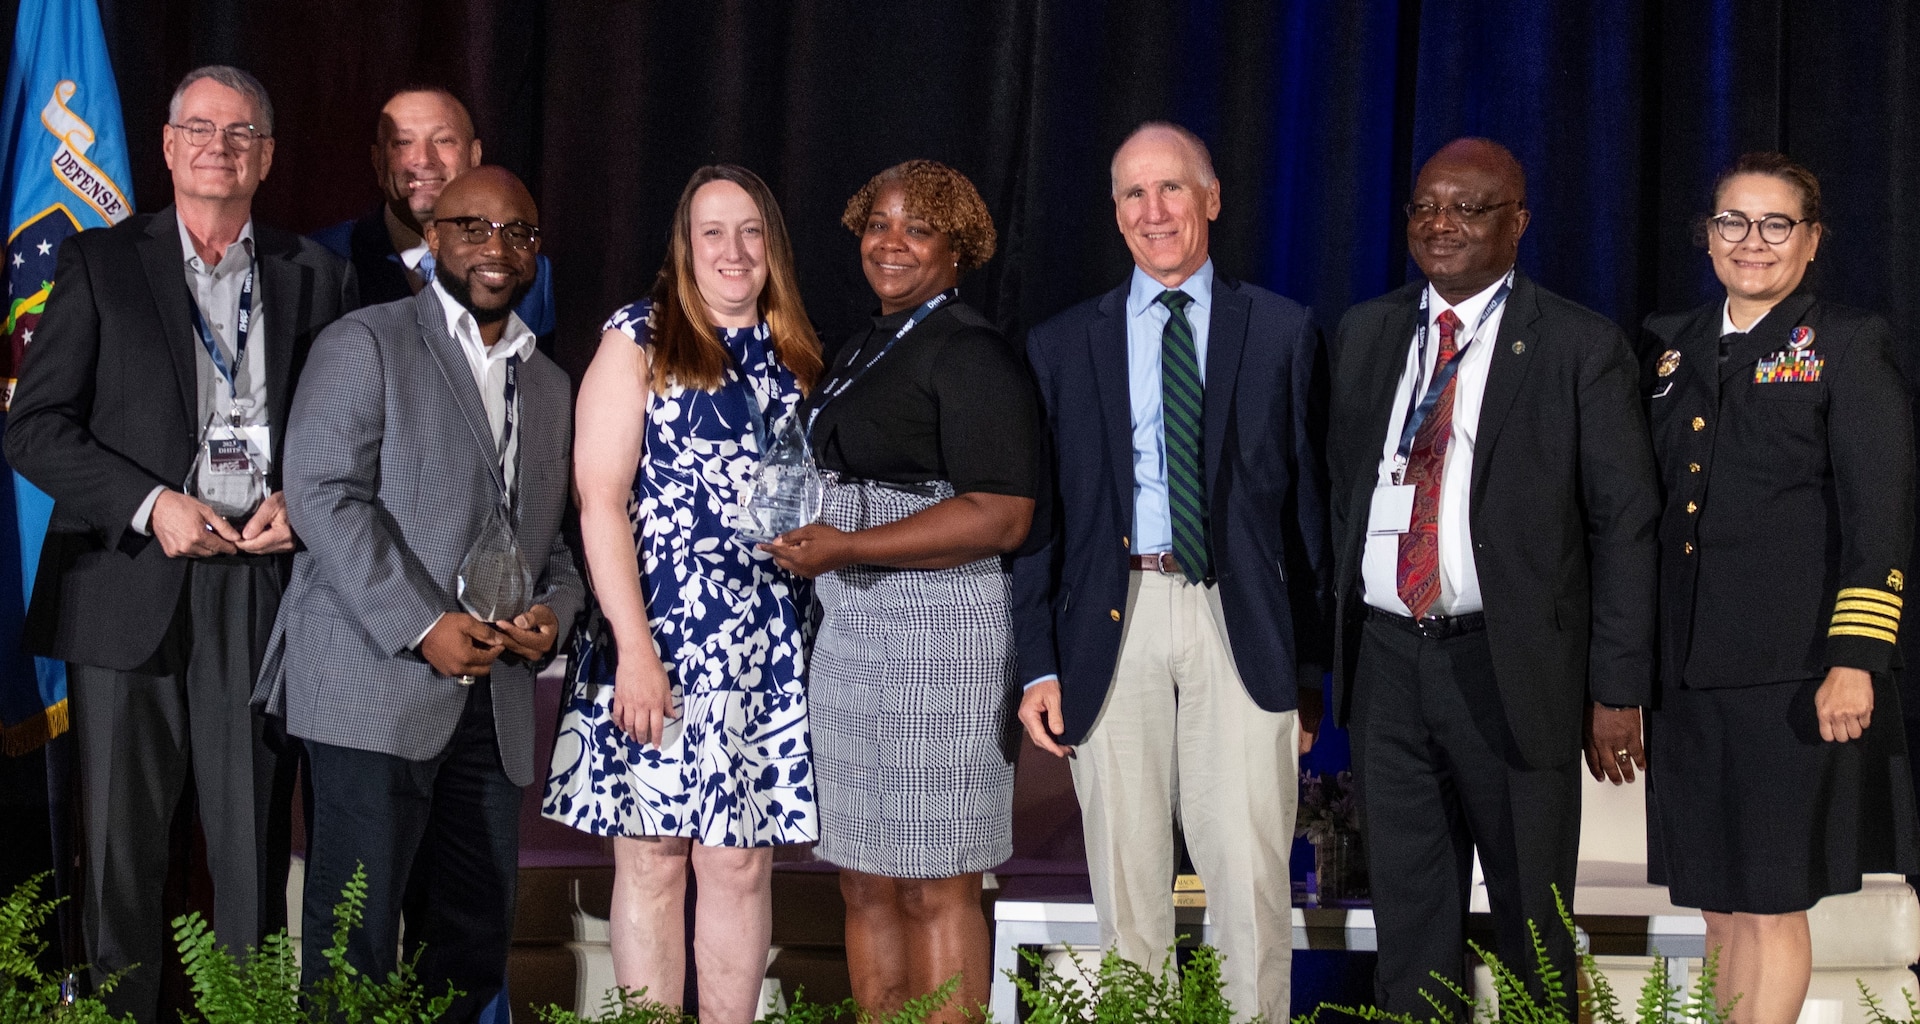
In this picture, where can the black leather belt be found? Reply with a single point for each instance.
(1433, 627)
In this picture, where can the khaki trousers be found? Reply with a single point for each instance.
(1178, 736)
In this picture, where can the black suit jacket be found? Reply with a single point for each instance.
(1797, 494)
(1563, 506)
(106, 408)
(1266, 492)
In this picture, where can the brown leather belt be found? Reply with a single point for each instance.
(1162, 563)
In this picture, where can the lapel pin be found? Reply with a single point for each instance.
(1519, 347)
(1669, 362)
(1801, 337)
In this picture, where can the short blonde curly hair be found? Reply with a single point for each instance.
(941, 195)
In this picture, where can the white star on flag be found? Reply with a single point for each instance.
(46, 248)
(28, 336)
(19, 260)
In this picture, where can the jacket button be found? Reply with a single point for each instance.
(1126, 543)
(1693, 467)
(1688, 548)
(1114, 614)
(1699, 424)
(1692, 508)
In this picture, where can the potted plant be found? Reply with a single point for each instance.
(1329, 816)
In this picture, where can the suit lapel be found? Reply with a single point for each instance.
(1107, 351)
(166, 280)
(1384, 364)
(286, 297)
(1226, 340)
(1514, 353)
(458, 375)
(1699, 346)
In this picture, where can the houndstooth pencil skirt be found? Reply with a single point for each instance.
(910, 696)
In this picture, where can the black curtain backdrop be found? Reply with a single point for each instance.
(1317, 112)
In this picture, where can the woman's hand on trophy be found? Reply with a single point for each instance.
(811, 550)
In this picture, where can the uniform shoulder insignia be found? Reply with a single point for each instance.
(1896, 581)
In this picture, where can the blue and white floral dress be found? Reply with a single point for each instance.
(726, 621)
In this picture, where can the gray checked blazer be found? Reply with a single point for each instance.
(391, 471)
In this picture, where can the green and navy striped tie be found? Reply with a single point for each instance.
(1181, 401)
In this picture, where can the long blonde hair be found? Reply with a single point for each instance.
(686, 346)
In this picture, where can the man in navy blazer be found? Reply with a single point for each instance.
(1173, 626)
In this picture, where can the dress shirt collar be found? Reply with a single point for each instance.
(239, 254)
(1726, 319)
(1468, 310)
(409, 243)
(1144, 292)
(517, 340)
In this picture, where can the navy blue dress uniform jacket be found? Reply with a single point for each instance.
(1265, 487)
(1789, 501)
(1563, 507)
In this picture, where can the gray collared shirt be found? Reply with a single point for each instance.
(216, 291)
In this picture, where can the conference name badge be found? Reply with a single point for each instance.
(1392, 510)
(1789, 366)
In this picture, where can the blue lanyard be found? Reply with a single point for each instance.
(835, 389)
(506, 431)
(1418, 410)
(242, 323)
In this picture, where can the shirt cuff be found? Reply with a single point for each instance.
(143, 515)
(422, 638)
(1036, 681)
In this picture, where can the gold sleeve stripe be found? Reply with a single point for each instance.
(1871, 594)
(1855, 604)
(1866, 619)
(1866, 631)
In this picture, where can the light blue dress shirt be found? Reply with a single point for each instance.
(1146, 322)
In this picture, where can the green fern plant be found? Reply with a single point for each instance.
(631, 1006)
(1877, 1010)
(619, 1006)
(264, 987)
(1660, 1002)
(29, 995)
(1123, 992)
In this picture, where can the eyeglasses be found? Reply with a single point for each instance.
(476, 230)
(239, 136)
(1775, 228)
(1462, 213)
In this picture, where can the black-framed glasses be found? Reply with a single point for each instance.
(1775, 228)
(476, 230)
(240, 137)
(1462, 213)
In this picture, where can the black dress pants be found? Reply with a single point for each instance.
(440, 841)
(1439, 774)
(141, 735)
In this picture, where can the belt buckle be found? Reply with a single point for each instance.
(1433, 627)
(1165, 566)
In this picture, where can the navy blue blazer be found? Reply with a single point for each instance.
(1266, 495)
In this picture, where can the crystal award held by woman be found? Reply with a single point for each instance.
(787, 490)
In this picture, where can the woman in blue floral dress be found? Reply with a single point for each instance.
(692, 748)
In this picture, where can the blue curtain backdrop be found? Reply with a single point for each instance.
(1318, 112)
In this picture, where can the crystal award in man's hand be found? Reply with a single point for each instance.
(228, 473)
(494, 583)
(787, 489)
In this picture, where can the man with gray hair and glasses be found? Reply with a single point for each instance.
(151, 407)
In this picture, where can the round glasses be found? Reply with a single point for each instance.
(1775, 228)
(239, 136)
(476, 230)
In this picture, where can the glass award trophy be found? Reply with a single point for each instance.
(229, 473)
(787, 490)
(494, 583)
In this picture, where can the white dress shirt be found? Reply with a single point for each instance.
(489, 368)
(1459, 579)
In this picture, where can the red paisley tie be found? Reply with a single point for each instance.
(1418, 575)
